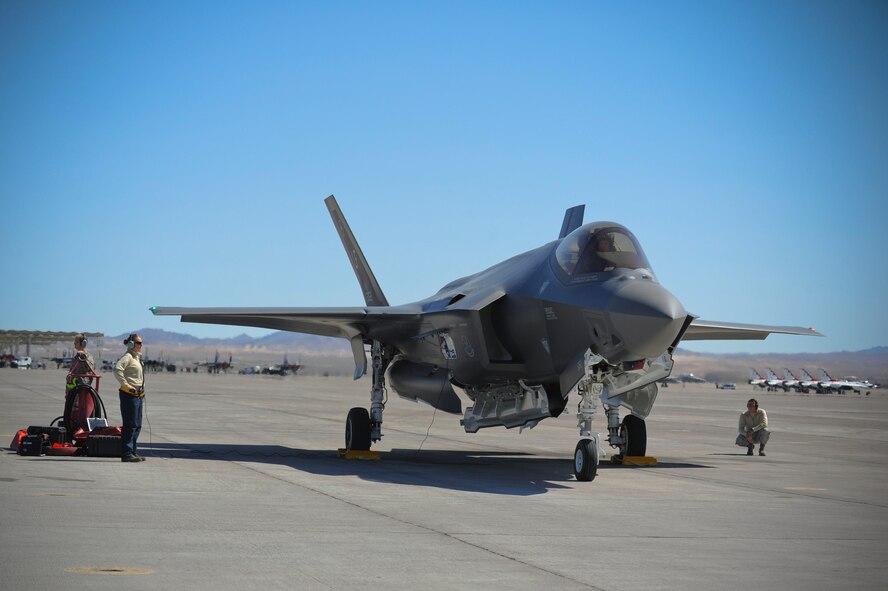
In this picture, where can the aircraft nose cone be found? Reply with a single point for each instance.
(646, 317)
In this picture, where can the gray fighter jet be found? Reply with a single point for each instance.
(584, 313)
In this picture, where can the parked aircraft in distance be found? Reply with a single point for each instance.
(691, 378)
(215, 366)
(756, 379)
(790, 380)
(285, 368)
(773, 382)
(857, 385)
(851, 384)
(807, 381)
(583, 313)
(282, 369)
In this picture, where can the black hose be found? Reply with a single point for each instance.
(97, 412)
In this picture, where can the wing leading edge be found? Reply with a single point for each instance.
(711, 330)
(329, 322)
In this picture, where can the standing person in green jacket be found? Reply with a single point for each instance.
(128, 372)
(753, 428)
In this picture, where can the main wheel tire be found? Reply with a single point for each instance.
(586, 460)
(357, 430)
(634, 433)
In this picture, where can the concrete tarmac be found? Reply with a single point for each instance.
(242, 489)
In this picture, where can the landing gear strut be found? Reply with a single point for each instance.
(586, 452)
(361, 427)
(628, 437)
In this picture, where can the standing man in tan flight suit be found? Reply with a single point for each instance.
(128, 372)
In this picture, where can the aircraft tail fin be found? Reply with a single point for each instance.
(805, 375)
(573, 219)
(369, 286)
(825, 376)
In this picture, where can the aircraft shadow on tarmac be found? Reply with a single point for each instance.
(489, 472)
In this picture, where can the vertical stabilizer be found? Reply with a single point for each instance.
(573, 219)
(369, 286)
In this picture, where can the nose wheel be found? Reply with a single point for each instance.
(586, 460)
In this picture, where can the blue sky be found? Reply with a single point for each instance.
(178, 153)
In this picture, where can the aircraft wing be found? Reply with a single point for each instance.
(711, 330)
(347, 323)
(328, 322)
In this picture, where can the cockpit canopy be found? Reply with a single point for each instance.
(599, 247)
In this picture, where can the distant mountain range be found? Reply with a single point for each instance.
(275, 340)
(293, 339)
(734, 367)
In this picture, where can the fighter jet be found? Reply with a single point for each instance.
(215, 366)
(807, 382)
(831, 384)
(691, 378)
(756, 379)
(790, 380)
(582, 314)
(774, 381)
(858, 385)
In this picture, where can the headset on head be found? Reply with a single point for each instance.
(130, 341)
(80, 341)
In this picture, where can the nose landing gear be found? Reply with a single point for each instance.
(586, 460)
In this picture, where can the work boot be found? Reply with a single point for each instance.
(762, 450)
(135, 459)
(749, 449)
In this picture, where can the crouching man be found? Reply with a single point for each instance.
(753, 428)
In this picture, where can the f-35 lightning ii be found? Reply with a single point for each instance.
(584, 313)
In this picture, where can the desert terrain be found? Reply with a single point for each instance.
(321, 356)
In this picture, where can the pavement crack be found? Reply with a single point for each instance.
(426, 528)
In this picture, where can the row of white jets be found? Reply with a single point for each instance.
(806, 382)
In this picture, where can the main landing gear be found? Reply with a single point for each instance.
(628, 437)
(362, 427)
